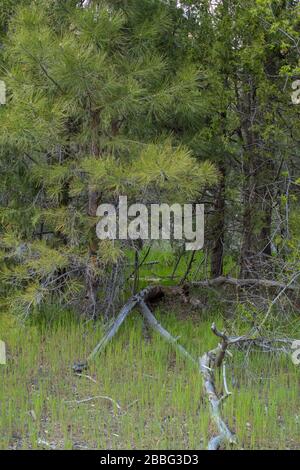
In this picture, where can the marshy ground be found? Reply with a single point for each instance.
(139, 394)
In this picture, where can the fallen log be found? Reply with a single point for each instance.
(208, 363)
(146, 294)
(244, 283)
(150, 318)
(213, 360)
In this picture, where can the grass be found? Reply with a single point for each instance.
(163, 265)
(160, 395)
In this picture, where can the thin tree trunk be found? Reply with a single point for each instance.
(217, 253)
(258, 173)
(92, 280)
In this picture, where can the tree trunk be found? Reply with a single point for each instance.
(217, 253)
(258, 173)
(92, 279)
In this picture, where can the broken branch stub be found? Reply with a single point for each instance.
(208, 363)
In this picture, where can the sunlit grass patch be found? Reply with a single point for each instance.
(160, 399)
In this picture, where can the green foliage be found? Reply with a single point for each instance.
(90, 107)
(149, 100)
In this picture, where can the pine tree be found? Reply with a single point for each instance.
(94, 94)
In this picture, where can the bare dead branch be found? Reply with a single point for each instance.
(97, 397)
(244, 283)
(208, 363)
(150, 318)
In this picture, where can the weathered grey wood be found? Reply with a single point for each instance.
(243, 283)
(150, 318)
(208, 363)
(211, 361)
(114, 329)
(148, 293)
(128, 307)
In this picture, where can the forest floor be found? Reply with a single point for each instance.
(139, 394)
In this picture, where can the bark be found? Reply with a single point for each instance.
(150, 318)
(92, 280)
(208, 362)
(149, 294)
(213, 360)
(245, 283)
(217, 252)
(257, 198)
